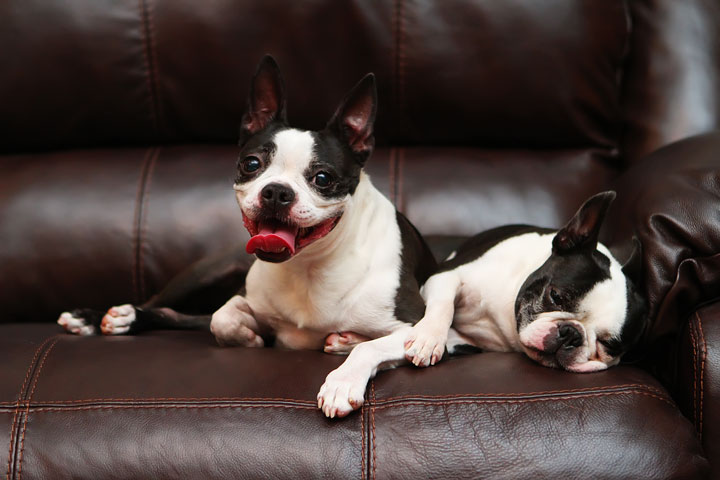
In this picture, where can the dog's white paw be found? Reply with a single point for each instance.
(425, 346)
(230, 327)
(342, 392)
(117, 320)
(76, 324)
(342, 343)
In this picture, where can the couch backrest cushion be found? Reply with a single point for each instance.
(464, 72)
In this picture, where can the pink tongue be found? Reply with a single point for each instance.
(273, 239)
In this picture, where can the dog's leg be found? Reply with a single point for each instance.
(344, 388)
(234, 324)
(128, 320)
(342, 343)
(425, 344)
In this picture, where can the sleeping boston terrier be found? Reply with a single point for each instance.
(558, 296)
(333, 254)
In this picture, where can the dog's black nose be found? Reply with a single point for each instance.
(569, 336)
(277, 195)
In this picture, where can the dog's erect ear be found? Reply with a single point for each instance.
(581, 232)
(633, 266)
(354, 118)
(267, 99)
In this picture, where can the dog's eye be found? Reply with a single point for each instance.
(555, 297)
(250, 165)
(322, 179)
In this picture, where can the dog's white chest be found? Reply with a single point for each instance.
(485, 304)
(348, 283)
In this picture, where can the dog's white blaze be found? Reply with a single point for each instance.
(489, 285)
(295, 151)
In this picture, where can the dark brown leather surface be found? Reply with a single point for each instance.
(670, 201)
(560, 73)
(490, 113)
(698, 393)
(148, 214)
(671, 79)
(175, 404)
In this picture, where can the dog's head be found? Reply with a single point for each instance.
(581, 310)
(293, 185)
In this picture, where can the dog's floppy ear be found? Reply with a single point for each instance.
(354, 118)
(581, 232)
(267, 99)
(633, 266)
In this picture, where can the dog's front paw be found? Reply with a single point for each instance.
(231, 325)
(118, 320)
(424, 346)
(80, 321)
(342, 392)
(342, 343)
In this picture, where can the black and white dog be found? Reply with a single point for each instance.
(337, 265)
(557, 295)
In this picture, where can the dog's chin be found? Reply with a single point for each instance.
(276, 241)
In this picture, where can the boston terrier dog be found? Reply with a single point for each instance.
(336, 263)
(559, 296)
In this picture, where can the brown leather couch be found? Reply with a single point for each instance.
(117, 134)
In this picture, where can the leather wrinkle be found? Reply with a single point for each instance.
(29, 399)
(19, 403)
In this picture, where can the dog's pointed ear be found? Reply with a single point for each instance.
(633, 266)
(581, 232)
(354, 118)
(267, 99)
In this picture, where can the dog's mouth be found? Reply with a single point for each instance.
(275, 241)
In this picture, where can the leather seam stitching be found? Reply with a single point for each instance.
(526, 400)
(693, 341)
(177, 399)
(27, 408)
(401, 159)
(702, 370)
(636, 386)
(136, 223)
(146, 32)
(282, 399)
(169, 407)
(393, 189)
(19, 402)
(143, 223)
(362, 442)
(372, 420)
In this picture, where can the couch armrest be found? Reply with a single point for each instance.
(698, 392)
(671, 201)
